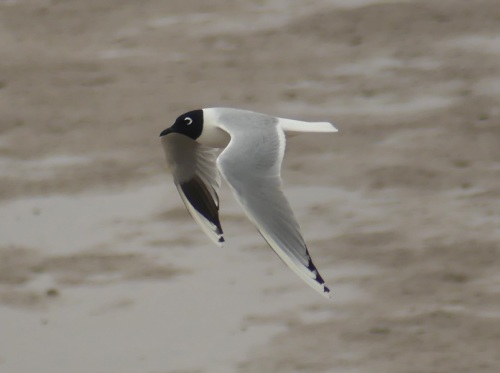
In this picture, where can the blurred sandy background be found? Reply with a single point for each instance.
(102, 269)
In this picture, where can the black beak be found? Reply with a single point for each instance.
(167, 131)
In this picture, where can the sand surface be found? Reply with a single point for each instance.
(101, 268)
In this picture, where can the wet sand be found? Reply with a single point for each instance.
(103, 270)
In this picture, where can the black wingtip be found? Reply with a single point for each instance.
(319, 279)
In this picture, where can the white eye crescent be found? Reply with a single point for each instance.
(188, 121)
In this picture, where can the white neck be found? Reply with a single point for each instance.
(212, 135)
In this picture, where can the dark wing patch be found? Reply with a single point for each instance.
(200, 198)
(318, 278)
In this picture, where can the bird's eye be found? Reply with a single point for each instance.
(188, 121)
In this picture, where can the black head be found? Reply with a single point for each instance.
(189, 124)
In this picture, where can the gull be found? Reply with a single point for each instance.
(253, 148)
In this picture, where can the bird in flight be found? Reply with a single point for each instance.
(253, 148)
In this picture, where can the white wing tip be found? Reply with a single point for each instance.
(319, 285)
(220, 241)
(216, 236)
(326, 292)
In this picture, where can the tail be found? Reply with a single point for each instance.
(290, 125)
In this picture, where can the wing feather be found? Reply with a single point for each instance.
(197, 180)
(251, 165)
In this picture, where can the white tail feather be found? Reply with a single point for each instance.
(290, 125)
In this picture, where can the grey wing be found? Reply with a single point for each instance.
(251, 165)
(197, 180)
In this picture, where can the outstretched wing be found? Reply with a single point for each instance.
(197, 180)
(251, 165)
